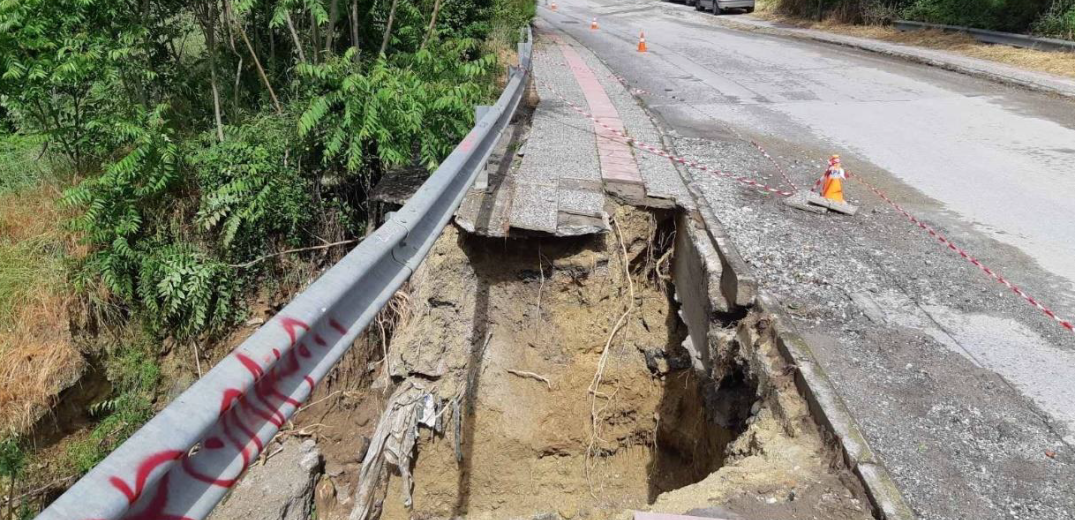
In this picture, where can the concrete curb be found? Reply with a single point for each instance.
(738, 286)
(827, 407)
(964, 65)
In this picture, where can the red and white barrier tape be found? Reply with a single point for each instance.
(659, 152)
(966, 256)
(932, 232)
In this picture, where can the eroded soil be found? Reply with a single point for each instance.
(575, 395)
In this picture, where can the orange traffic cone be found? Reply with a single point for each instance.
(593, 24)
(641, 41)
(832, 187)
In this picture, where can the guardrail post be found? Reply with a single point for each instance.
(482, 182)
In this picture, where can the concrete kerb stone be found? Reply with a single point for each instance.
(833, 415)
(1029, 80)
(736, 281)
(811, 381)
(739, 288)
(884, 494)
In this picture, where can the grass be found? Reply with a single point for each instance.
(37, 357)
(21, 162)
(1058, 63)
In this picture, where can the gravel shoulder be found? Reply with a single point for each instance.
(930, 356)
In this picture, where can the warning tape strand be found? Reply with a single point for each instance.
(751, 182)
(659, 152)
(964, 254)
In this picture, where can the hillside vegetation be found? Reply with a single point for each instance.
(155, 156)
(1055, 18)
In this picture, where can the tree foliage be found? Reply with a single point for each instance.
(210, 133)
(1050, 17)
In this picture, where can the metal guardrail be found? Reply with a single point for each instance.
(982, 35)
(183, 461)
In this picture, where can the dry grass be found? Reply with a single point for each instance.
(37, 357)
(1058, 63)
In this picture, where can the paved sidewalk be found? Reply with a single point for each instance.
(569, 164)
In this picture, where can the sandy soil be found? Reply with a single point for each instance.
(528, 441)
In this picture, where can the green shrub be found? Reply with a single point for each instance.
(1058, 21)
(383, 113)
(998, 15)
(185, 291)
(251, 187)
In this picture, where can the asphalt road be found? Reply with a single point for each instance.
(960, 385)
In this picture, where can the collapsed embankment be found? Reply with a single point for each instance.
(558, 378)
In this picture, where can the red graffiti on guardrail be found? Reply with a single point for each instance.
(241, 417)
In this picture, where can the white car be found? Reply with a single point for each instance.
(720, 6)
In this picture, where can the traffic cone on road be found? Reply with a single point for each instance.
(641, 41)
(831, 185)
(593, 24)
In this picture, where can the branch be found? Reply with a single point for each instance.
(432, 24)
(388, 29)
(257, 62)
(295, 36)
(289, 251)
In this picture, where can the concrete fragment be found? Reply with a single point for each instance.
(800, 201)
(280, 489)
(534, 207)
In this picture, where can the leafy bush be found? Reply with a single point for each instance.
(184, 291)
(382, 113)
(1058, 21)
(118, 202)
(998, 15)
(251, 189)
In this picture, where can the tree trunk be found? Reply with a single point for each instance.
(295, 36)
(209, 28)
(333, 17)
(316, 32)
(432, 24)
(354, 28)
(235, 93)
(388, 29)
(254, 56)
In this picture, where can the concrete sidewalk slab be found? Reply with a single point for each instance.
(618, 167)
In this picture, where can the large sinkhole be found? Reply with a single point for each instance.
(553, 377)
(578, 394)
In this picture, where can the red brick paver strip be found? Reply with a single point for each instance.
(617, 161)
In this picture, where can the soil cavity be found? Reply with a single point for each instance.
(552, 421)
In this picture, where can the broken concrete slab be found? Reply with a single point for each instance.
(810, 199)
(839, 207)
(535, 208)
(281, 488)
(581, 197)
(569, 224)
(800, 201)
